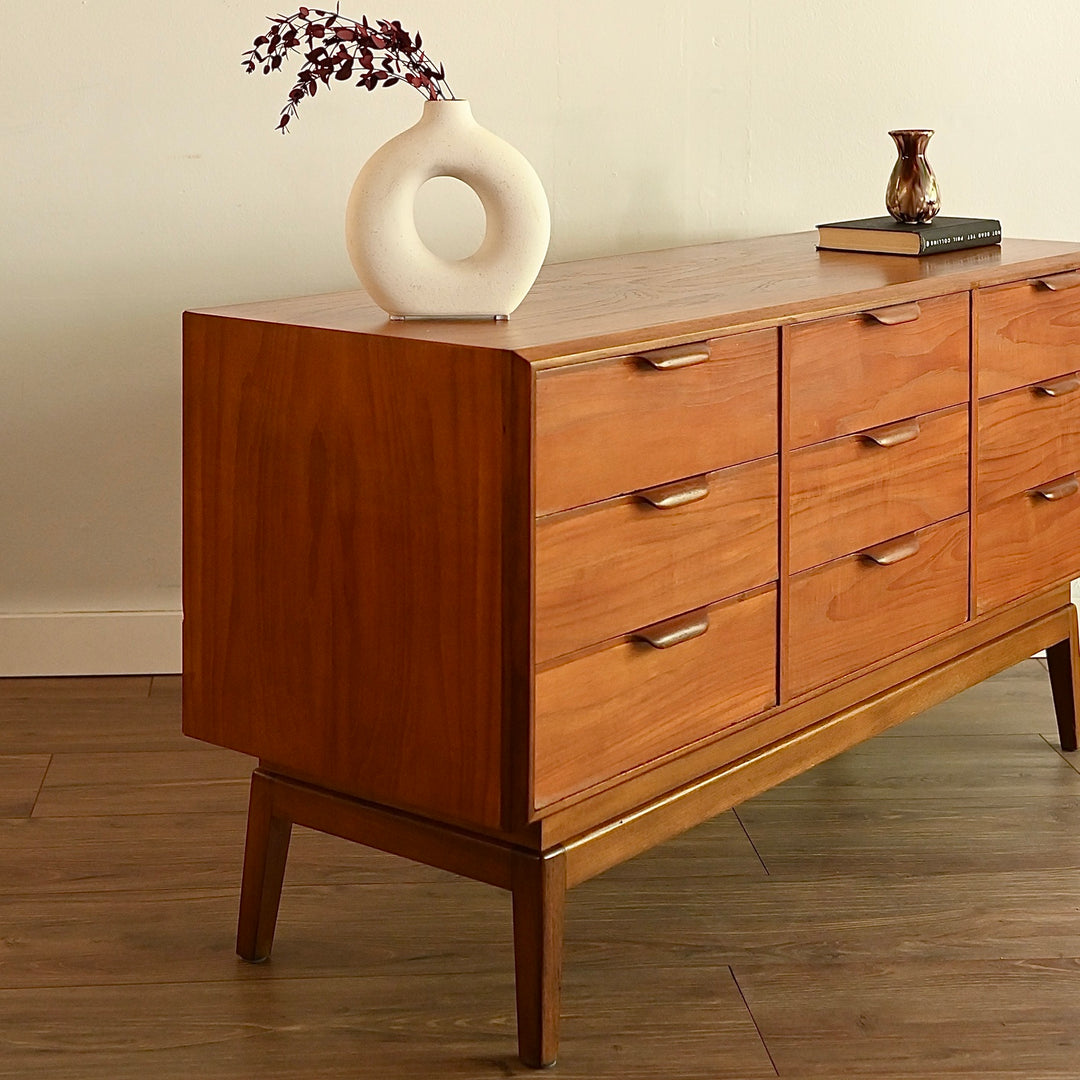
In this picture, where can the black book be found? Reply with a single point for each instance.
(891, 237)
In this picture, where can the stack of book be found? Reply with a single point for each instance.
(887, 236)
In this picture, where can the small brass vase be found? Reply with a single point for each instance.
(912, 193)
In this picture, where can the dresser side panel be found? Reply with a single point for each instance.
(344, 501)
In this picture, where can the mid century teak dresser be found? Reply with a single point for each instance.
(522, 599)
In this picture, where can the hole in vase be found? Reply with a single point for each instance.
(449, 217)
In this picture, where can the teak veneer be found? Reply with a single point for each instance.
(520, 600)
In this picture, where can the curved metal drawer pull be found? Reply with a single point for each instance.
(892, 551)
(893, 316)
(893, 434)
(1059, 489)
(677, 356)
(1059, 387)
(663, 635)
(667, 496)
(1059, 282)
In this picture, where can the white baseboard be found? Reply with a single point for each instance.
(90, 643)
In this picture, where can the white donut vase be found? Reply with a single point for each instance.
(404, 277)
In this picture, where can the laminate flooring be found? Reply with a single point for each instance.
(909, 909)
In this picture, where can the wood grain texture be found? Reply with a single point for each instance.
(1009, 703)
(416, 838)
(998, 640)
(407, 972)
(851, 493)
(1025, 438)
(624, 705)
(266, 851)
(110, 689)
(656, 298)
(144, 782)
(890, 1019)
(1023, 543)
(783, 585)
(763, 768)
(624, 563)
(850, 373)
(538, 884)
(343, 540)
(851, 613)
(1026, 334)
(973, 451)
(444, 1024)
(615, 426)
(944, 766)
(832, 919)
(1063, 663)
(75, 724)
(21, 776)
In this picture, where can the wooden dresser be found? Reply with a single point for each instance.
(522, 599)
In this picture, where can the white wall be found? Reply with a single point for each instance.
(141, 175)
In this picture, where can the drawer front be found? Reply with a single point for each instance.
(854, 372)
(860, 490)
(622, 707)
(1027, 331)
(612, 566)
(854, 612)
(1027, 436)
(615, 426)
(1027, 542)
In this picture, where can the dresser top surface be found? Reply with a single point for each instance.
(657, 297)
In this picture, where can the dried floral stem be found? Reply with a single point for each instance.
(338, 47)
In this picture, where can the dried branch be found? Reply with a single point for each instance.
(339, 48)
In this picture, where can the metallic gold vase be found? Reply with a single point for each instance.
(912, 194)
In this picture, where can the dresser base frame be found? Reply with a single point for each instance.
(539, 879)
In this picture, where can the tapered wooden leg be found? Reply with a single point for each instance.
(1063, 659)
(539, 892)
(265, 853)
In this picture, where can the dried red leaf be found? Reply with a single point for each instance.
(354, 45)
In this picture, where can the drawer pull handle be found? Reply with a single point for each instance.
(1059, 387)
(893, 316)
(1059, 282)
(1059, 489)
(663, 635)
(892, 551)
(680, 493)
(678, 356)
(894, 434)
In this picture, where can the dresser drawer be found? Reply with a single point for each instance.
(860, 371)
(614, 426)
(1027, 541)
(856, 611)
(859, 490)
(611, 566)
(1028, 435)
(623, 706)
(1027, 331)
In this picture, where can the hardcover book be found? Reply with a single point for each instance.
(887, 236)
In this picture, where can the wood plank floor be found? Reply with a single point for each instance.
(910, 909)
